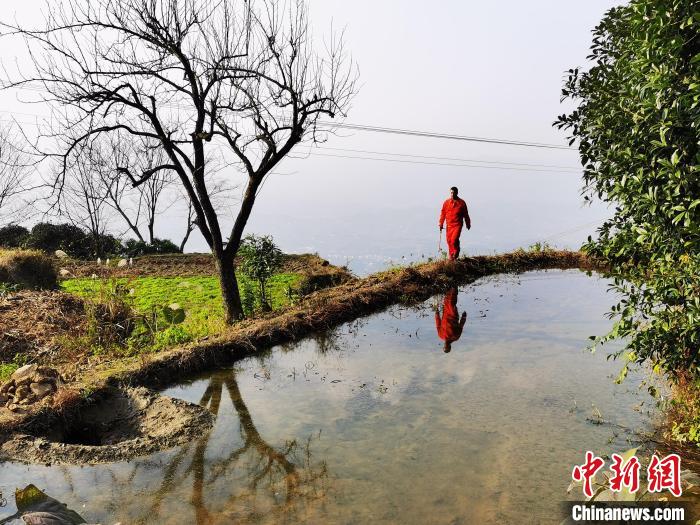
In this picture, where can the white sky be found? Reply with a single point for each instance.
(491, 69)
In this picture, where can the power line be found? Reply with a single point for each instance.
(395, 131)
(576, 168)
(447, 136)
(457, 165)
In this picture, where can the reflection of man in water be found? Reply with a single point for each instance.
(450, 326)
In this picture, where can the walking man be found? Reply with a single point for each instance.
(454, 211)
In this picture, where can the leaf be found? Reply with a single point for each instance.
(37, 508)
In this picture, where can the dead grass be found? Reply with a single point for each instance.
(31, 322)
(29, 269)
(194, 265)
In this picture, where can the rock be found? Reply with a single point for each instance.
(47, 372)
(64, 273)
(61, 254)
(27, 371)
(24, 382)
(41, 389)
(122, 263)
(3, 399)
(22, 393)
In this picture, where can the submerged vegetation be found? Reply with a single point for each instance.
(636, 125)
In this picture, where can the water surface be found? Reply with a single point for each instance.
(376, 423)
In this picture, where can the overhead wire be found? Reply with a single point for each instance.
(447, 136)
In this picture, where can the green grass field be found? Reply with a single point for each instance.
(199, 296)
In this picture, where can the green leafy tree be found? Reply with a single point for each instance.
(636, 125)
(260, 260)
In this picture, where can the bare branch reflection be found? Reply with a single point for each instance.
(262, 480)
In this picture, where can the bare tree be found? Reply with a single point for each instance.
(85, 196)
(14, 176)
(138, 206)
(219, 193)
(191, 76)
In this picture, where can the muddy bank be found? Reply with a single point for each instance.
(117, 425)
(317, 312)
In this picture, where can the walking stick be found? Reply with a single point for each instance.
(440, 241)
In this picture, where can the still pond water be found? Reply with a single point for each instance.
(376, 423)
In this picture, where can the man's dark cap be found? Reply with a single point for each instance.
(454, 188)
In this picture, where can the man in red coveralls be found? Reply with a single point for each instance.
(454, 211)
(450, 326)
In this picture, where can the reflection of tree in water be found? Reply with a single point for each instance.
(324, 342)
(282, 478)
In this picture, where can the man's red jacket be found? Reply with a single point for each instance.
(454, 211)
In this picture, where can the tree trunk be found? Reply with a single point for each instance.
(233, 309)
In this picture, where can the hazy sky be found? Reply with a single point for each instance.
(490, 69)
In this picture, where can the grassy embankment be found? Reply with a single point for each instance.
(199, 296)
(99, 313)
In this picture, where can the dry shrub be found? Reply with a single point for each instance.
(32, 321)
(30, 269)
(66, 398)
(110, 323)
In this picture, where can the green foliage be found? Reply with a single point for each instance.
(104, 245)
(78, 243)
(13, 236)
(637, 128)
(71, 239)
(6, 370)
(199, 298)
(260, 260)
(8, 288)
(540, 247)
(51, 237)
(247, 297)
(134, 248)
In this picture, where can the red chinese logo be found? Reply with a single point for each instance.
(665, 474)
(587, 472)
(625, 474)
(662, 474)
